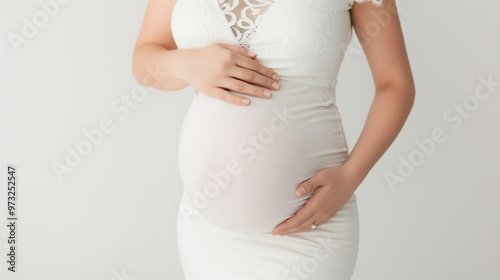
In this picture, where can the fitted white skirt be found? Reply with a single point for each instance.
(240, 166)
(209, 252)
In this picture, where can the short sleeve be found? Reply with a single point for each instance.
(377, 3)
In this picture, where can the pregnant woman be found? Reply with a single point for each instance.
(268, 180)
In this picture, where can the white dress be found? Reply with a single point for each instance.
(240, 165)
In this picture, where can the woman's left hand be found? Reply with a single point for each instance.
(332, 186)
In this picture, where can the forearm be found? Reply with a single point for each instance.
(388, 113)
(158, 67)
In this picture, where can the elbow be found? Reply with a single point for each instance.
(138, 68)
(403, 83)
(137, 72)
(404, 94)
(137, 76)
(408, 91)
(141, 75)
(403, 89)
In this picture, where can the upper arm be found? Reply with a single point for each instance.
(156, 27)
(379, 32)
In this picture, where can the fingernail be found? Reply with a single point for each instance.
(246, 101)
(267, 93)
(276, 85)
(300, 191)
(276, 77)
(251, 53)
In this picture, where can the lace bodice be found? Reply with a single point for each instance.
(302, 40)
(244, 17)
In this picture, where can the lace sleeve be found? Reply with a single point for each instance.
(377, 3)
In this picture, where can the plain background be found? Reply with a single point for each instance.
(113, 217)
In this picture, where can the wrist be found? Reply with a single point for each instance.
(355, 171)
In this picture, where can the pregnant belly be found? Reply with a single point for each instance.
(240, 165)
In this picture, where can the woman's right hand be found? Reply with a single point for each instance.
(220, 66)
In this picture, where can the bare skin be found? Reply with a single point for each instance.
(231, 67)
(394, 96)
(210, 70)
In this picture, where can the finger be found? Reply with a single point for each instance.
(303, 226)
(239, 50)
(306, 226)
(254, 79)
(258, 67)
(241, 87)
(229, 97)
(300, 218)
(248, 61)
(309, 185)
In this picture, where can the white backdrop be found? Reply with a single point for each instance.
(428, 209)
